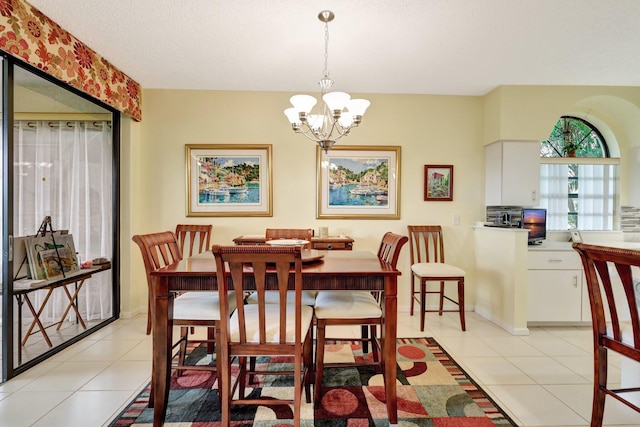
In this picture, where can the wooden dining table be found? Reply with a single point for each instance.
(322, 270)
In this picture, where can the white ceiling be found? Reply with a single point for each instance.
(453, 47)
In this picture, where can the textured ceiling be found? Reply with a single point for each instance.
(453, 47)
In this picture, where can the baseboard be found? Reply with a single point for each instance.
(132, 314)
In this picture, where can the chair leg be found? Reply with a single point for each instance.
(599, 384)
(413, 292)
(149, 317)
(242, 375)
(182, 353)
(441, 298)
(461, 303)
(308, 363)
(423, 303)
(320, 340)
(252, 369)
(224, 386)
(211, 337)
(364, 332)
(374, 346)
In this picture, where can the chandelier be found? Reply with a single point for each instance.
(339, 114)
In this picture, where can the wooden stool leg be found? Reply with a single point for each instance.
(413, 293)
(461, 303)
(423, 303)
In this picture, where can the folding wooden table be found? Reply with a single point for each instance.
(22, 289)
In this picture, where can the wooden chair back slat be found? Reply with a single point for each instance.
(390, 246)
(427, 243)
(196, 236)
(289, 233)
(158, 250)
(264, 261)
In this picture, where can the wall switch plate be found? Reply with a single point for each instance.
(456, 220)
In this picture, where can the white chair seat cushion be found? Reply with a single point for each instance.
(200, 305)
(436, 269)
(273, 297)
(346, 305)
(273, 322)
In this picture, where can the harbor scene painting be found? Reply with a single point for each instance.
(358, 182)
(229, 180)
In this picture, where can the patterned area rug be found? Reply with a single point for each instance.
(432, 391)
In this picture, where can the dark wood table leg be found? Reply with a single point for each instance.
(162, 337)
(389, 338)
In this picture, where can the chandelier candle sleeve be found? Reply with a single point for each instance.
(339, 113)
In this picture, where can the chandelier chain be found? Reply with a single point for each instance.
(326, 50)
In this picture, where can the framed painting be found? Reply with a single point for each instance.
(359, 182)
(229, 180)
(438, 183)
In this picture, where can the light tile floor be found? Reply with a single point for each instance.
(543, 379)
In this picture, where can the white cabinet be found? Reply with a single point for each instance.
(512, 173)
(554, 286)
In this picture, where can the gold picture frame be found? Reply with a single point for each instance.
(229, 180)
(358, 182)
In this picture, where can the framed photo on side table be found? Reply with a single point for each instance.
(438, 183)
(360, 182)
(229, 180)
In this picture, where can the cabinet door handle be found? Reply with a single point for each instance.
(575, 281)
(555, 260)
(533, 195)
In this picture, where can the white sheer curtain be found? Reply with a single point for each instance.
(64, 169)
(554, 194)
(596, 191)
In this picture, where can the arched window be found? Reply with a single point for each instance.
(578, 180)
(574, 137)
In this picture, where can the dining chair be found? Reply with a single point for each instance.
(353, 308)
(197, 236)
(428, 265)
(612, 297)
(190, 308)
(262, 329)
(190, 234)
(308, 297)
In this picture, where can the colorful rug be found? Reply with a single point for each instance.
(433, 391)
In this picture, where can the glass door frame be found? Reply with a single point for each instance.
(8, 331)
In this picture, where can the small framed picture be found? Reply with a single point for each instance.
(438, 183)
(576, 237)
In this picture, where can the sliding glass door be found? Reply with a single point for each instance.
(60, 218)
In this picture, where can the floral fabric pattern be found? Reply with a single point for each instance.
(27, 34)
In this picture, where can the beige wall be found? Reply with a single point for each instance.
(430, 130)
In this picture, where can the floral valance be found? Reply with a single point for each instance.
(31, 36)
